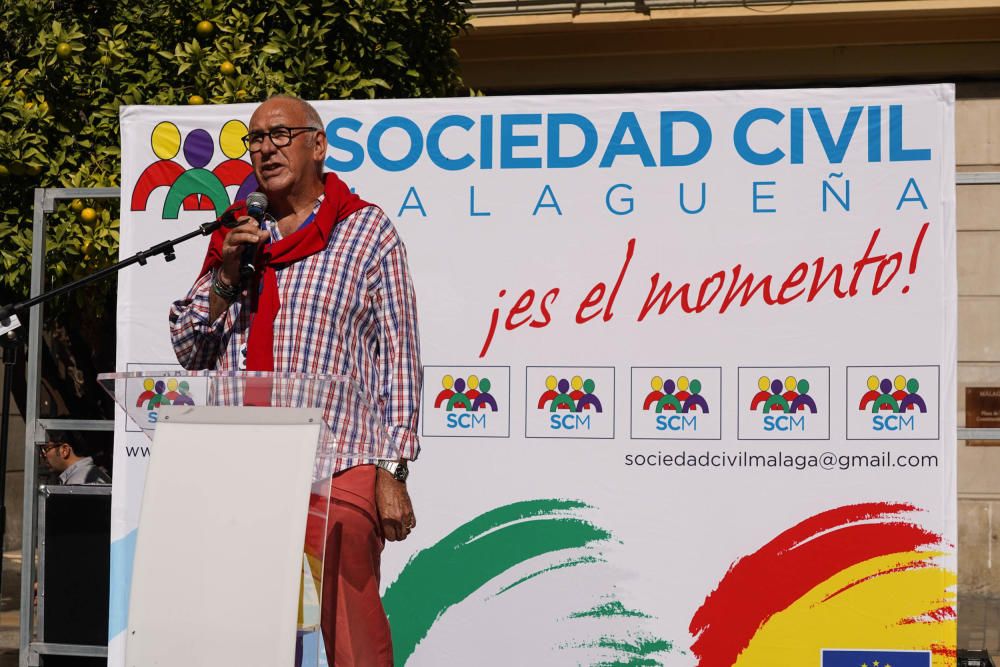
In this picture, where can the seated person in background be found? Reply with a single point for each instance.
(64, 454)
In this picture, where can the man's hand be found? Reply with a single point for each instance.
(394, 507)
(232, 250)
(247, 232)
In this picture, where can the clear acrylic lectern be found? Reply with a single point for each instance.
(238, 480)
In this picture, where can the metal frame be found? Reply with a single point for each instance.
(35, 428)
(39, 649)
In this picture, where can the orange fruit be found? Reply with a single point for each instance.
(76, 205)
(88, 215)
(196, 99)
(204, 28)
(227, 68)
(64, 50)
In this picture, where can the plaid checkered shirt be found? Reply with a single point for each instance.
(346, 310)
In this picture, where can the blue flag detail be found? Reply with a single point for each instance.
(875, 658)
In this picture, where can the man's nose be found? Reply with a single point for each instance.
(267, 146)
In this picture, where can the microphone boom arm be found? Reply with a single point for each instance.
(8, 313)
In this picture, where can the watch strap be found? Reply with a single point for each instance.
(397, 469)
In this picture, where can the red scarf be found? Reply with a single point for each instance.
(338, 203)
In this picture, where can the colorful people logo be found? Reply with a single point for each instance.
(157, 393)
(681, 396)
(898, 395)
(468, 394)
(196, 188)
(790, 396)
(574, 395)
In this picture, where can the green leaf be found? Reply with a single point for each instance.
(331, 49)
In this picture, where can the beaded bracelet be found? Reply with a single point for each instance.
(227, 292)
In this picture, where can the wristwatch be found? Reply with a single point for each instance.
(397, 469)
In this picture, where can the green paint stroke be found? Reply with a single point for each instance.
(608, 610)
(446, 573)
(640, 646)
(558, 566)
(634, 652)
(630, 662)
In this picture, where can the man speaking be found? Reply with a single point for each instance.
(331, 294)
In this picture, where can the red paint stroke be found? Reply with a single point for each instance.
(938, 649)
(768, 581)
(916, 565)
(938, 615)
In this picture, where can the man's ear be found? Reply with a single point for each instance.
(319, 146)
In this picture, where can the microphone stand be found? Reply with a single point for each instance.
(9, 345)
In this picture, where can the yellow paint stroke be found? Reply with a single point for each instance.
(865, 615)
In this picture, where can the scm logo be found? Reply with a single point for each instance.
(784, 403)
(569, 422)
(784, 423)
(468, 395)
(575, 396)
(788, 397)
(683, 396)
(893, 423)
(897, 396)
(157, 393)
(677, 423)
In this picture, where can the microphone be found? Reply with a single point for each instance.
(256, 205)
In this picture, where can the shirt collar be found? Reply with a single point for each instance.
(68, 473)
(272, 224)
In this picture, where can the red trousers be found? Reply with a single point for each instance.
(355, 628)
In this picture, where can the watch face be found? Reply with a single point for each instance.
(402, 472)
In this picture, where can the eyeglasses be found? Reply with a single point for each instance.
(280, 137)
(45, 447)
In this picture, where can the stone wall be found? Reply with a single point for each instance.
(977, 137)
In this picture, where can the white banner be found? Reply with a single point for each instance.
(690, 366)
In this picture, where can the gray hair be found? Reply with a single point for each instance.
(312, 116)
